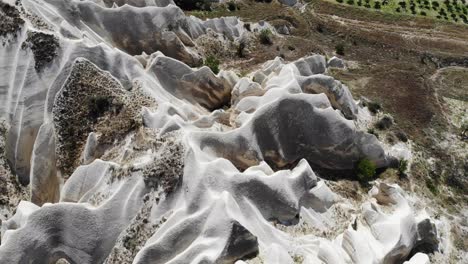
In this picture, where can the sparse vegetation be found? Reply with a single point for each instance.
(44, 46)
(11, 19)
(391, 139)
(339, 49)
(241, 49)
(213, 63)
(464, 131)
(232, 6)
(432, 187)
(365, 170)
(266, 37)
(401, 136)
(402, 167)
(372, 131)
(298, 258)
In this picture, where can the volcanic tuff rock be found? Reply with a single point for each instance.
(133, 156)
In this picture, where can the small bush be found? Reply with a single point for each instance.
(377, 5)
(384, 123)
(374, 107)
(213, 63)
(401, 136)
(339, 1)
(266, 37)
(339, 49)
(402, 167)
(350, 2)
(240, 49)
(365, 170)
(232, 6)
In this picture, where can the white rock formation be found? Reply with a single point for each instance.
(130, 157)
(335, 62)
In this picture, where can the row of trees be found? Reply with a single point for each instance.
(365, 3)
(455, 10)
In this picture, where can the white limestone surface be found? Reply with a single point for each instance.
(133, 155)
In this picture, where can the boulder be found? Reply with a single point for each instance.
(335, 62)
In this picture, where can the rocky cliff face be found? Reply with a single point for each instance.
(121, 150)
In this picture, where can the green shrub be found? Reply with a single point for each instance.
(213, 63)
(339, 1)
(266, 37)
(339, 48)
(350, 2)
(402, 167)
(365, 170)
